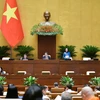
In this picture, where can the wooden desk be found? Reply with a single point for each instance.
(56, 67)
(34, 67)
(48, 79)
(79, 67)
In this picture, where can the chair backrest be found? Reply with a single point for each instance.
(54, 95)
(79, 89)
(74, 92)
(77, 98)
(1, 97)
(57, 90)
(75, 95)
(5, 88)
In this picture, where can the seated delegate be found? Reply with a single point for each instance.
(66, 54)
(2, 72)
(24, 57)
(46, 56)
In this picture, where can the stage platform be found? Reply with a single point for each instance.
(56, 67)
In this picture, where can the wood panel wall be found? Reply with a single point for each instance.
(54, 66)
(47, 44)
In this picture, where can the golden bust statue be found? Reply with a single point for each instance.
(47, 16)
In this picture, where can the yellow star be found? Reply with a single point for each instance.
(10, 13)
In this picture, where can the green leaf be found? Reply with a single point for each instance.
(95, 81)
(66, 80)
(90, 51)
(4, 51)
(2, 80)
(23, 49)
(29, 80)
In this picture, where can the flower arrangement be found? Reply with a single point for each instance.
(46, 29)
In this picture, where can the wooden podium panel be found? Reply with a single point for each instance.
(7, 66)
(56, 67)
(79, 67)
(47, 44)
(23, 66)
(46, 65)
(34, 67)
(12, 67)
(48, 79)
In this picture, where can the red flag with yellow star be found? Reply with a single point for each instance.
(11, 24)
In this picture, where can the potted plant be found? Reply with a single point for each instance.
(4, 51)
(2, 80)
(90, 51)
(28, 81)
(23, 49)
(66, 80)
(62, 48)
(95, 81)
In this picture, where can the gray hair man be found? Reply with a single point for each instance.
(88, 94)
(66, 96)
